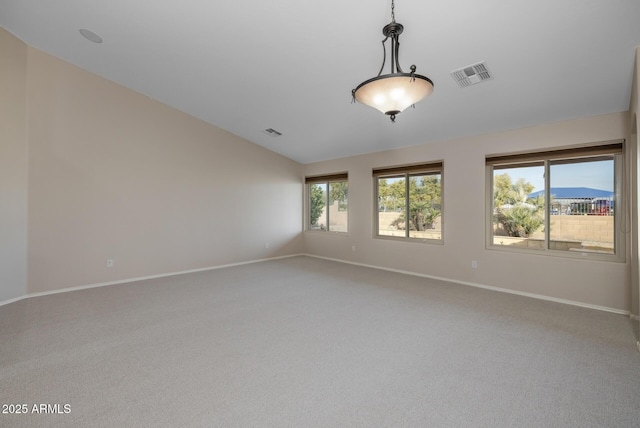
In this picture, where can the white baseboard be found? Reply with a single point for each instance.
(15, 299)
(142, 278)
(472, 284)
(486, 287)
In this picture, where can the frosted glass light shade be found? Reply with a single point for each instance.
(393, 93)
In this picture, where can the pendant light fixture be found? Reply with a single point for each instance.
(392, 93)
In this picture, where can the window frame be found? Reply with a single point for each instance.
(326, 179)
(614, 149)
(408, 171)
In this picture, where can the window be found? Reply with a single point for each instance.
(561, 202)
(327, 204)
(409, 202)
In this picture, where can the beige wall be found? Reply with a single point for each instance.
(112, 174)
(590, 282)
(633, 143)
(116, 175)
(13, 167)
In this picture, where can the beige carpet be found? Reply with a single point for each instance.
(304, 342)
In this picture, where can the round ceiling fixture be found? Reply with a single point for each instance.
(90, 35)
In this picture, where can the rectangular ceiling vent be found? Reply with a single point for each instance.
(471, 74)
(272, 132)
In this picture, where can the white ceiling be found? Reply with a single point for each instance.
(248, 65)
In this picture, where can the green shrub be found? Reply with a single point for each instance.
(520, 220)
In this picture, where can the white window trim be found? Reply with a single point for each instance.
(322, 179)
(608, 147)
(408, 170)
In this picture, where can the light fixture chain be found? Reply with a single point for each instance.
(393, 12)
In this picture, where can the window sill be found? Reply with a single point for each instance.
(410, 240)
(326, 233)
(575, 253)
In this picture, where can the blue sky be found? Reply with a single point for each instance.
(595, 175)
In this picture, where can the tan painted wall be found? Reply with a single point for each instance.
(13, 167)
(113, 174)
(633, 143)
(116, 175)
(587, 281)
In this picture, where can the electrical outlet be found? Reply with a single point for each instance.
(266, 245)
(474, 264)
(109, 263)
(353, 248)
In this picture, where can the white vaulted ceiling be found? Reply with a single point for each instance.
(248, 65)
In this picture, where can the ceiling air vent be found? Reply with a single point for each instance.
(272, 132)
(471, 74)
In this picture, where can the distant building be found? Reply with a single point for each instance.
(579, 200)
